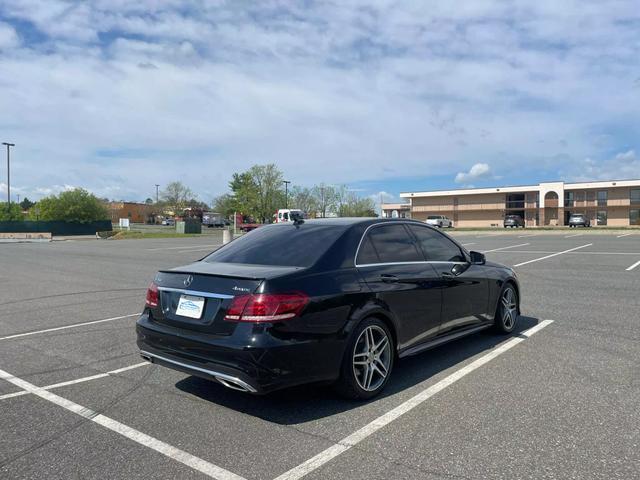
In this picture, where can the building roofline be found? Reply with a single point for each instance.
(522, 188)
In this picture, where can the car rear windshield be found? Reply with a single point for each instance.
(432, 217)
(284, 245)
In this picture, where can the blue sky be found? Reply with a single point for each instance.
(116, 96)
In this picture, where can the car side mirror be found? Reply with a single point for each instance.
(477, 258)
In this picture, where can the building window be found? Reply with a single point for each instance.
(602, 198)
(591, 196)
(568, 199)
(634, 196)
(602, 217)
(634, 217)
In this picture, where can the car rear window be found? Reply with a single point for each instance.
(432, 217)
(282, 245)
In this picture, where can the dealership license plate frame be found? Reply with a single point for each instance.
(190, 306)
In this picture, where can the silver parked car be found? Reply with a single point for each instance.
(579, 220)
(513, 221)
(439, 221)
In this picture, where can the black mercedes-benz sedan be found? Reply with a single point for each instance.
(330, 300)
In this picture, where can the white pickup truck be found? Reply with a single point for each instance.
(439, 221)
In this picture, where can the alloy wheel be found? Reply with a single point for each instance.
(509, 308)
(371, 358)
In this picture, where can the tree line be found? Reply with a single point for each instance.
(260, 191)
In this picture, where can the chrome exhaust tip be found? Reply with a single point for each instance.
(146, 357)
(232, 385)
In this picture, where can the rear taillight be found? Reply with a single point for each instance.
(266, 307)
(152, 295)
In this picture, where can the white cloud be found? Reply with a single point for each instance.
(628, 156)
(479, 171)
(116, 96)
(8, 37)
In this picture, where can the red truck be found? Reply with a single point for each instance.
(246, 223)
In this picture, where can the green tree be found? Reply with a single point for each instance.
(76, 205)
(149, 201)
(26, 204)
(304, 199)
(8, 214)
(224, 204)
(351, 205)
(270, 190)
(175, 196)
(245, 194)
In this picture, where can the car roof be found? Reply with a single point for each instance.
(347, 221)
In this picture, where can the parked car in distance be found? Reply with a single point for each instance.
(169, 221)
(513, 221)
(335, 301)
(439, 221)
(579, 220)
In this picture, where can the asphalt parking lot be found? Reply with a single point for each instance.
(558, 399)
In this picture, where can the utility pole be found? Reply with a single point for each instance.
(9, 145)
(157, 186)
(286, 193)
(322, 196)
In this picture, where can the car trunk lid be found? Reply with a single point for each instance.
(208, 288)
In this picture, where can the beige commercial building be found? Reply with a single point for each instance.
(612, 203)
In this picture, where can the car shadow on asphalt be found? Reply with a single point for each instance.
(306, 403)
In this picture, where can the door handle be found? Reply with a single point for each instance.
(448, 275)
(388, 278)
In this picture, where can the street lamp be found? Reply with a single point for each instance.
(9, 145)
(157, 186)
(286, 193)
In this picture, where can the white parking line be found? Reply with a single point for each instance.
(209, 249)
(633, 266)
(575, 253)
(528, 235)
(574, 235)
(159, 446)
(17, 335)
(552, 255)
(506, 248)
(624, 235)
(181, 247)
(79, 380)
(467, 244)
(385, 419)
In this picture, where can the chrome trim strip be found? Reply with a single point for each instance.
(406, 263)
(195, 293)
(222, 377)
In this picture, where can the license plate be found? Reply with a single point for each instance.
(190, 306)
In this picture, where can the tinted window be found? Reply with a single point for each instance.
(437, 247)
(392, 243)
(367, 254)
(282, 244)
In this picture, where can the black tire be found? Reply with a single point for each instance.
(505, 323)
(352, 376)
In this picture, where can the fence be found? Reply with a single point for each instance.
(56, 227)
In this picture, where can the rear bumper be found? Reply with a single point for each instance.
(251, 360)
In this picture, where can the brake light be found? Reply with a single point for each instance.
(266, 307)
(152, 295)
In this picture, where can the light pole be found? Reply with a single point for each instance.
(157, 186)
(286, 193)
(9, 145)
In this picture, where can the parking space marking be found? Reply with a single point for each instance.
(574, 235)
(352, 440)
(633, 266)
(552, 255)
(137, 436)
(55, 329)
(624, 235)
(506, 248)
(467, 244)
(78, 380)
(208, 249)
(178, 248)
(528, 235)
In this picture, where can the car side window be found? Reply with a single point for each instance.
(435, 246)
(391, 243)
(367, 253)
